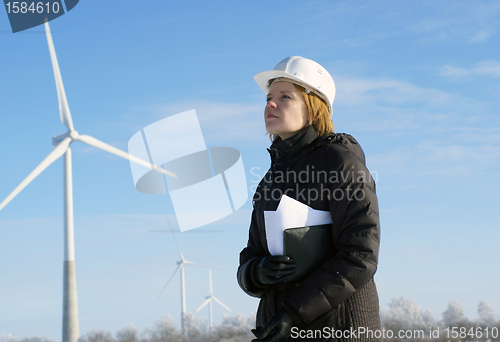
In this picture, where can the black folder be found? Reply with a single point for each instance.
(309, 247)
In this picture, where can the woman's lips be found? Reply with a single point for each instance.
(270, 115)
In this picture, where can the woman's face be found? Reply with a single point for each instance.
(285, 112)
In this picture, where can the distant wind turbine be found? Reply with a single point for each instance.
(181, 264)
(209, 302)
(62, 143)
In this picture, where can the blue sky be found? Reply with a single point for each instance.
(417, 85)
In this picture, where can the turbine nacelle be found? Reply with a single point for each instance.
(209, 301)
(56, 140)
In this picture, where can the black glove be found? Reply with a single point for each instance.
(277, 329)
(273, 269)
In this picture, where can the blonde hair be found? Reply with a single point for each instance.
(317, 110)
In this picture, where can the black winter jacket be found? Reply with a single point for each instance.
(325, 173)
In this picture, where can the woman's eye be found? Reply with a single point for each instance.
(286, 97)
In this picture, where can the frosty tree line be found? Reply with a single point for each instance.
(402, 314)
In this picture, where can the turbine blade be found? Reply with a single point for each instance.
(192, 231)
(56, 153)
(64, 112)
(196, 264)
(222, 304)
(108, 148)
(172, 277)
(204, 303)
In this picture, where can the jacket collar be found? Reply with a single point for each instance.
(292, 146)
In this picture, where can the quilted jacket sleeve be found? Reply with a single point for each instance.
(356, 235)
(249, 258)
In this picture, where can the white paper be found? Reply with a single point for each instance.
(290, 214)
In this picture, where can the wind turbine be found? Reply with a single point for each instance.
(209, 302)
(62, 143)
(183, 262)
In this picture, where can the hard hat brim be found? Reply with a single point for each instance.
(262, 80)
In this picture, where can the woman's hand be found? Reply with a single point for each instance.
(273, 269)
(277, 329)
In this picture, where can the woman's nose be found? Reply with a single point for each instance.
(270, 104)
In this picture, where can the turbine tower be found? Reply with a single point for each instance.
(62, 143)
(182, 263)
(209, 302)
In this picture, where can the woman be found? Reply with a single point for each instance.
(338, 299)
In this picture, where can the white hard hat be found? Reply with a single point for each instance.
(304, 72)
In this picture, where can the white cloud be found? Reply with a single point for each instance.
(425, 22)
(220, 121)
(388, 105)
(437, 158)
(484, 68)
(474, 22)
(355, 91)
